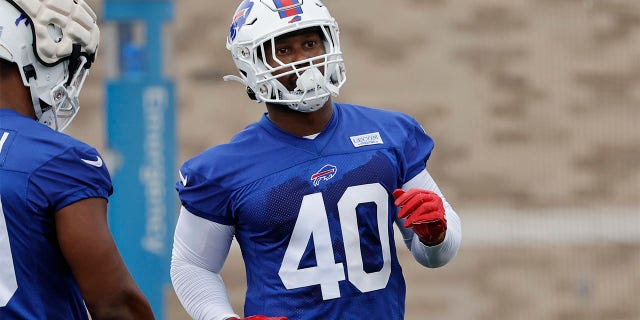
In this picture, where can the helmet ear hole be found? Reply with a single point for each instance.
(55, 33)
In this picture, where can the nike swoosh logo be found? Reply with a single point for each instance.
(96, 163)
(183, 179)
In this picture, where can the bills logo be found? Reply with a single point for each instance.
(288, 8)
(325, 174)
(295, 19)
(240, 18)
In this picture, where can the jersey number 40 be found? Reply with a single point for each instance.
(313, 221)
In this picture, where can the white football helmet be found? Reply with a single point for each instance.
(53, 42)
(259, 22)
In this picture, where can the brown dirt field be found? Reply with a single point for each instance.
(533, 105)
(551, 283)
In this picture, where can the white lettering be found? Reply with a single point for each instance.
(366, 139)
(152, 173)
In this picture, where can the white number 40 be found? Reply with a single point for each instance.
(313, 221)
(8, 283)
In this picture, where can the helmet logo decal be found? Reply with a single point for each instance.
(22, 17)
(240, 18)
(324, 174)
(288, 8)
(295, 19)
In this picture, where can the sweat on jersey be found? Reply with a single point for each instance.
(314, 218)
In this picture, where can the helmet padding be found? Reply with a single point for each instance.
(53, 42)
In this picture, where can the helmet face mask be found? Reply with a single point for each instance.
(256, 28)
(53, 49)
(65, 98)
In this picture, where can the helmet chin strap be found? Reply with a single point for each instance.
(48, 118)
(309, 105)
(309, 82)
(44, 113)
(234, 78)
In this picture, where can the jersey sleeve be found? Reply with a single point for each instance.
(77, 173)
(415, 150)
(201, 195)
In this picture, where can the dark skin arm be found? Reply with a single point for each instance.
(107, 287)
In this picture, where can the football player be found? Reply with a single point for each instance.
(58, 259)
(311, 191)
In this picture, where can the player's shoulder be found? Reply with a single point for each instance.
(236, 161)
(217, 160)
(382, 115)
(58, 143)
(33, 145)
(383, 118)
(240, 147)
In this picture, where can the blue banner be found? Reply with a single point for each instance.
(140, 128)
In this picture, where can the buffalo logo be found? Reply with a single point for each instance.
(295, 19)
(240, 18)
(325, 174)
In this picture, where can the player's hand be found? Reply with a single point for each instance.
(424, 211)
(260, 317)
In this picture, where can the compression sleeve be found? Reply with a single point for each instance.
(200, 248)
(438, 255)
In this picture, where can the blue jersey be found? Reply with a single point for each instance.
(314, 218)
(41, 172)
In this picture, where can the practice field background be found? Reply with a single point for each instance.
(534, 106)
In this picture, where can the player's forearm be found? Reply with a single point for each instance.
(201, 293)
(200, 248)
(127, 306)
(439, 255)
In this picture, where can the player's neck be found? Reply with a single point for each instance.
(300, 123)
(14, 95)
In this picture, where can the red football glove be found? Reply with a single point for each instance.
(260, 317)
(424, 211)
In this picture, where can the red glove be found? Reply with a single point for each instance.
(424, 211)
(260, 317)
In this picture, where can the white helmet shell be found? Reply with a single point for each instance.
(55, 62)
(259, 22)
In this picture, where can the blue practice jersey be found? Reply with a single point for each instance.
(41, 172)
(314, 218)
